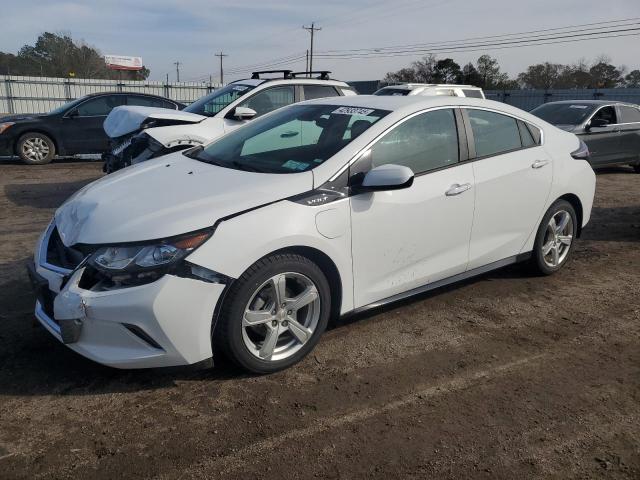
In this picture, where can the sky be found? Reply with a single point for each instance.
(252, 31)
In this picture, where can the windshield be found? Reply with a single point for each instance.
(393, 91)
(563, 113)
(293, 139)
(219, 99)
(66, 106)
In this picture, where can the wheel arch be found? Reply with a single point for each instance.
(575, 202)
(328, 267)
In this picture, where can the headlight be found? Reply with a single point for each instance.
(5, 125)
(135, 258)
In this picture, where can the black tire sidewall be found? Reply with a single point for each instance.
(537, 258)
(23, 138)
(228, 332)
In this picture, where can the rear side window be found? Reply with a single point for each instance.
(472, 93)
(100, 106)
(142, 101)
(629, 114)
(318, 91)
(493, 133)
(425, 142)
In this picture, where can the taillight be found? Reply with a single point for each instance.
(582, 153)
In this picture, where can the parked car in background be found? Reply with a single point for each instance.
(142, 133)
(73, 128)
(249, 244)
(611, 130)
(431, 89)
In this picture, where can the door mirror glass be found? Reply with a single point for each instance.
(244, 113)
(388, 177)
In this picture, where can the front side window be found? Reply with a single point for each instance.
(319, 91)
(291, 140)
(425, 142)
(101, 106)
(629, 114)
(493, 133)
(270, 99)
(608, 114)
(219, 99)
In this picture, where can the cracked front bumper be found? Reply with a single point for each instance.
(160, 324)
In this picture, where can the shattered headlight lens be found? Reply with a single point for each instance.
(127, 258)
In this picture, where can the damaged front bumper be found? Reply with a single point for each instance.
(164, 323)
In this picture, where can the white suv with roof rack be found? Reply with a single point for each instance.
(141, 133)
(431, 89)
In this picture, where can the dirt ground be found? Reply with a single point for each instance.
(504, 376)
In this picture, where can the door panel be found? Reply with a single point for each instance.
(403, 239)
(629, 119)
(84, 133)
(604, 142)
(510, 196)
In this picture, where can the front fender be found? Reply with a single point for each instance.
(240, 241)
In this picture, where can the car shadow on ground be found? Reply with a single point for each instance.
(43, 195)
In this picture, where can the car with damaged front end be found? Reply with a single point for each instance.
(248, 245)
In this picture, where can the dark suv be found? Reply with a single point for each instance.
(75, 127)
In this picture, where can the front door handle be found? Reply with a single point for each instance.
(457, 189)
(539, 163)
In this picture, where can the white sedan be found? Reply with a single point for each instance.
(251, 244)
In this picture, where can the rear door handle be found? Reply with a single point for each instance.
(457, 189)
(539, 163)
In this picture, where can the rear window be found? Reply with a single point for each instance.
(472, 93)
(563, 113)
(393, 92)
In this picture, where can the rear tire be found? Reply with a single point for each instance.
(555, 238)
(274, 313)
(636, 167)
(35, 149)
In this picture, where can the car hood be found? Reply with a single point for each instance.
(18, 118)
(165, 197)
(124, 120)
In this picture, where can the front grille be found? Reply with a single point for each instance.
(60, 255)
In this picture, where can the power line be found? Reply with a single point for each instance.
(312, 29)
(603, 25)
(489, 47)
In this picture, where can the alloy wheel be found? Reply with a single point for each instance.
(557, 238)
(35, 149)
(281, 316)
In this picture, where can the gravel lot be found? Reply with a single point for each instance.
(504, 376)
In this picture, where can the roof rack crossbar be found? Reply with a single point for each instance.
(285, 73)
(324, 74)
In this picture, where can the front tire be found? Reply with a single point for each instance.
(274, 313)
(555, 238)
(35, 149)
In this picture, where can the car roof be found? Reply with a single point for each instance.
(284, 81)
(99, 94)
(411, 86)
(589, 102)
(412, 103)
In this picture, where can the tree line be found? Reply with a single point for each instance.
(58, 55)
(486, 73)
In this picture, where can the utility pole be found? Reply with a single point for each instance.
(177, 64)
(312, 29)
(306, 63)
(221, 55)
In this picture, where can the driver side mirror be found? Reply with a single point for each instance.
(597, 123)
(244, 113)
(387, 177)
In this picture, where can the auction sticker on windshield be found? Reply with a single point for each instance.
(353, 111)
